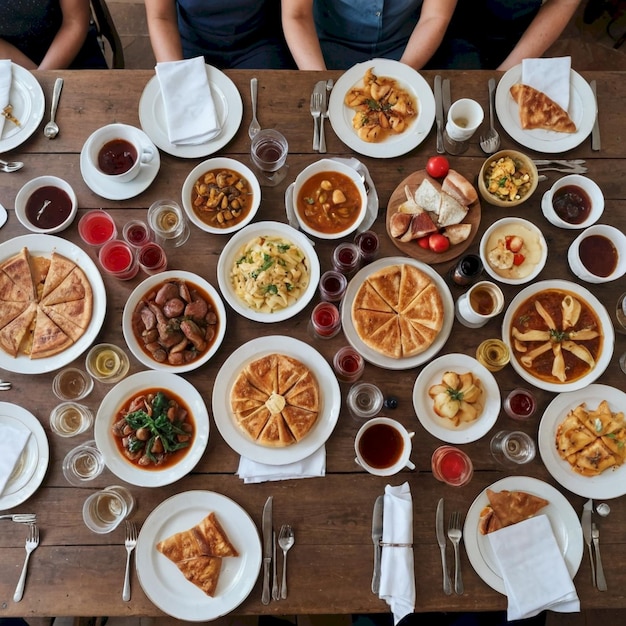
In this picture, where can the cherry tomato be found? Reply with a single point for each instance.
(438, 242)
(518, 258)
(438, 166)
(422, 242)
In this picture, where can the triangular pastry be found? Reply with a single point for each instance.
(536, 110)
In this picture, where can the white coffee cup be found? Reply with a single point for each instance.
(479, 304)
(383, 446)
(118, 151)
(464, 118)
(615, 237)
(592, 190)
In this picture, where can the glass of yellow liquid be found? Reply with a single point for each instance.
(168, 222)
(107, 363)
(493, 354)
(72, 383)
(70, 418)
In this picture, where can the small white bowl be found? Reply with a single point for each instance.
(615, 236)
(534, 249)
(586, 184)
(330, 165)
(25, 193)
(217, 164)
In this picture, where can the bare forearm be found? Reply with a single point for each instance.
(301, 36)
(9, 51)
(163, 30)
(424, 42)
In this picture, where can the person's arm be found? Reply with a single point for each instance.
(163, 30)
(301, 36)
(9, 51)
(70, 37)
(428, 32)
(542, 32)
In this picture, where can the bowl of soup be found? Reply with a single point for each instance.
(329, 199)
(221, 195)
(46, 204)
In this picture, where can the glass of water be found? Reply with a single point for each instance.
(512, 447)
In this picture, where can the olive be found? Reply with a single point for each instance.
(391, 402)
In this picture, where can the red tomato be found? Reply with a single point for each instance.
(438, 166)
(518, 258)
(422, 242)
(438, 242)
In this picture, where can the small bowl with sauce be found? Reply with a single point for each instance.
(573, 202)
(598, 254)
(46, 204)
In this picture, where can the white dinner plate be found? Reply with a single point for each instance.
(230, 254)
(370, 354)
(330, 400)
(341, 115)
(582, 110)
(612, 482)
(113, 402)
(442, 427)
(26, 97)
(163, 582)
(605, 321)
(563, 519)
(114, 190)
(44, 245)
(151, 283)
(228, 107)
(33, 463)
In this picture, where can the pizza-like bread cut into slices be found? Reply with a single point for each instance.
(10, 310)
(74, 286)
(17, 268)
(276, 433)
(386, 282)
(412, 282)
(367, 298)
(511, 507)
(60, 267)
(386, 339)
(263, 374)
(536, 110)
(14, 333)
(48, 338)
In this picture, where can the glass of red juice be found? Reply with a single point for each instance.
(152, 258)
(325, 320)
(348, 365)
(118, 259)
(136, 233)
(346, 258)
(520, 404)
(367, 243)
(451, 466)
(333, 285)
(97, 227)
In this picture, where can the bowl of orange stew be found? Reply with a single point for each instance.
(330, 200)
(152, 428)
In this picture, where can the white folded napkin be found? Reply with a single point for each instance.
(312, 466)
(552, 76)
(5, 87)
(533, 569)
(189, 108)
(397, 573)
(12, 443)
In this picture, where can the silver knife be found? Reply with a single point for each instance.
(586, 525)
(600, 579)
(441, 540)
(445, 96)
(267, 549)
(320, 88)
(595, 131)
(439, 114)
(377, 535)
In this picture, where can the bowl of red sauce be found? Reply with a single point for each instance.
(46, 204)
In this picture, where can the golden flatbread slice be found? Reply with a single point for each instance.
(276, 434)
(215, 537)
(10, 310)
(386, 282)
(60, 267)
(386, 339)
(367, 322)
(263, 373)
(426, 308)
(39, 266)
(243, 392)
(300, 421)
(14, 333)
(10, 292)
(290, 371)
(412, 281)
(17, 268)
(488, 521)
(75, 286)
(413, 342)
(368, 298)
(511, 507)
(203, 572)
(536, 110)
(48, 338)
(254, 422)
(305, 393)
(78, 311)
(67, 325)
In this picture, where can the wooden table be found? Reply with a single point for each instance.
(75, 572)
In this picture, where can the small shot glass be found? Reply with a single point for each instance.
(348, 365)
(367, 242)
(364, 400)
(97, 227)
(333, 286)
(520, 404)
(70, 418)
(104, 510)
(346, 258)
(325, 320)
(136, 233)
(72, 383)
(512, 447)
(119, 259)
(152, 258)
(107, 363)
(83, 463)
(451, 466)
(168, 223)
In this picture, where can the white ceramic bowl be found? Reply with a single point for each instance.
(23, 195)
(615, 236)
(330, 165)
(536, 253)
(589, 186)
(216, 164)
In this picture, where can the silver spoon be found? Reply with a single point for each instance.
(254, 127)
(43, 208)
(491, 141)
(51, 130)
(10, 166)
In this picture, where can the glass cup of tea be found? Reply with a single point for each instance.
(268, 151)
(72, 383)
(69, 419)
(512, 447)
(168, 223)
(451, 466)
(383, 447)
(83, 463)
(464, 118)
(479, 304)
(104, 510)
(494, 354)
(107, 363)
(333, 285)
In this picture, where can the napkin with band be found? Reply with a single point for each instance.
(312, 466)
(551, 76)
(397, 573)
(190, 112)
(12, 443)
(6, 76)
(534, 571)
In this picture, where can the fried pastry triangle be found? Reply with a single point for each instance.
(536, 110)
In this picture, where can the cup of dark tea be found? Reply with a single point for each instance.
(383, 447)
(117, 151)
(598, 254)
(573, 202)
(479, 304)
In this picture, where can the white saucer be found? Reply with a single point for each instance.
(111, 190)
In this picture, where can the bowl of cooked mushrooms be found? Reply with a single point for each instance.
(221, 195)
(507, 178)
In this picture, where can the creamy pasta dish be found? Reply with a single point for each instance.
(270, 274)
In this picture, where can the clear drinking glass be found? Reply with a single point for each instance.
(107, 363)
(512, 447)
(72, 383)
(364, 401)
(168, 223)
(70, 418)
(83, 463)
(268, 151)
(104, 510)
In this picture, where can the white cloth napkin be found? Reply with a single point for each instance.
(5, 88)
(397, 573)
(552, 76)
(189, 107)
(533, 569)
(12, 443)
(312, 466)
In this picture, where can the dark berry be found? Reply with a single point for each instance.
(391, 402)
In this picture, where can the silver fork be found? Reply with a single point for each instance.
(286, 539)
(316, 112)
(130, 543)
(31, 543)
(21, 518)
(455, 534)
(490, 142)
